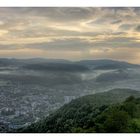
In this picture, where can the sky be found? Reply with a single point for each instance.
(71, 33)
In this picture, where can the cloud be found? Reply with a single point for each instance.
(70, 33)
(137, 28)
(127, 27)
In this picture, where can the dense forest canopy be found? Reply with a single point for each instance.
(88, 115)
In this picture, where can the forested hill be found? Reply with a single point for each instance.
(103, 112)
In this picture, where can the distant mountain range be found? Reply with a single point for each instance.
(56, 64)
(106, 64)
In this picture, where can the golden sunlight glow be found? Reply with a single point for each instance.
(86, 33)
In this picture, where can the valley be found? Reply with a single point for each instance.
(32, 89)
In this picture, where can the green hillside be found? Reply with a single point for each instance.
(103, 112)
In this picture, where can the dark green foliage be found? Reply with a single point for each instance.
(130, 98)
(114, 120)
(84, 116)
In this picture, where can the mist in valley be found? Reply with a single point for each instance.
(31, 90)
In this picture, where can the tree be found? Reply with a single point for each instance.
(116, 121)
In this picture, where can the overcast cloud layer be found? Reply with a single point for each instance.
(71, 33)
